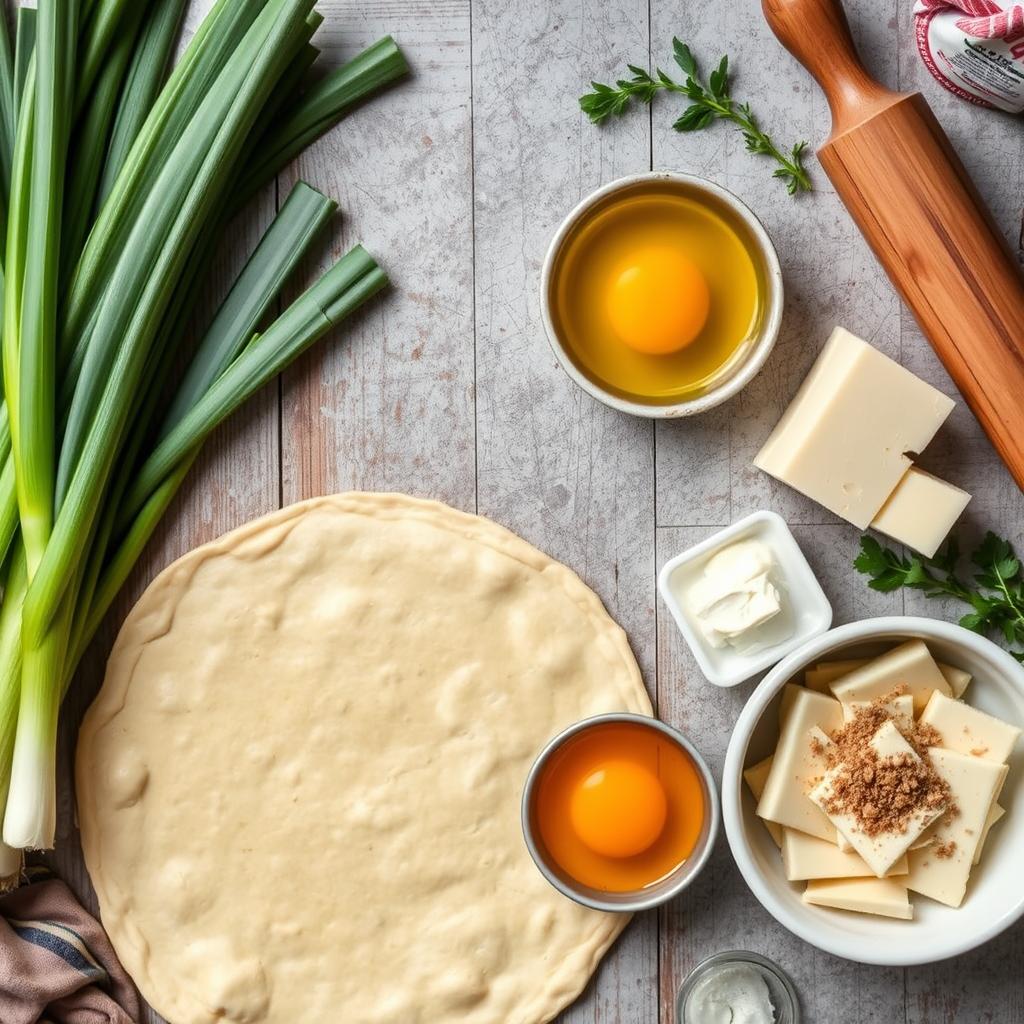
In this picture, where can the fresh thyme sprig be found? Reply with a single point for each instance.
(996, 598)
(708, 103)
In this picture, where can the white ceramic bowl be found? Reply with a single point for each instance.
(806, 606)
(754, 358)
(995, 893)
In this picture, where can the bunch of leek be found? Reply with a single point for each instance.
(117, 178)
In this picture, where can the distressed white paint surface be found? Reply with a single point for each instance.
(447, 387)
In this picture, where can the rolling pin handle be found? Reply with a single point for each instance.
(817, 33)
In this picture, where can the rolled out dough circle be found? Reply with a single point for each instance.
(299, 785)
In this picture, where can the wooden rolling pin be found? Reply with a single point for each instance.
(904, 185)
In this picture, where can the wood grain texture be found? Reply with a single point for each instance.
(446, 387)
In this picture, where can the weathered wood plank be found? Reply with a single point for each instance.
(388, 404)
(557, 467)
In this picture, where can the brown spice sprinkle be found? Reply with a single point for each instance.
(882, 794)
(946, 850)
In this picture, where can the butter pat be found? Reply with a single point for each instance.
(805, 857)
(941, 869)
(910, 665)
(755, 777)
(968, 730)
(884, 896)
(881, 851)
(844, 439)
(900, 709)
(795, 768)
(921, 511)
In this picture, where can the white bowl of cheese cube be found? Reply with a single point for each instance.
(970, 899)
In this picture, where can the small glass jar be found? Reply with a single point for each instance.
(783, 994)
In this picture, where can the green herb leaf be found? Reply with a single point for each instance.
(996, 600)
(708, 103)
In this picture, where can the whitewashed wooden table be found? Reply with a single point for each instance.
(447, 388)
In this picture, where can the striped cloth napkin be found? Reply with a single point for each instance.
(56, 964)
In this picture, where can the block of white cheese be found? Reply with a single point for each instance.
(884, 896)
(796, 767)
(827, 672)
(756, 776)
(968, 730)
(910, 665)
(786, 701)
(921, 511)
(805, 857)
(883, 850)
(941, 869)
(900, 709)
(956, 677)
(845, 438)
(995, 812)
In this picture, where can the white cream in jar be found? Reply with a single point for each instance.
(733, 993)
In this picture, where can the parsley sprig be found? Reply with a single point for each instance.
(995, 593)
(708, 102)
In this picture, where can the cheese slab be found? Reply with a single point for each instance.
(883, 850)
(957, 678)
(299, 784)
(910, 666)
(756, 776)
(884, 896)
(796, 768)
(994, 814)
(845, 438)
(941, 870)
(969, 731)
(825, 673)
(900, 709)
(805, 857)
(921, 511)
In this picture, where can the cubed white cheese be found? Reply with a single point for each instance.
(880, 851)
(941, 869)
(969, 731)
(805, 857)
(796, 768)
(844, 439)
(756, 776)
(921, 511)
(910, 665)
(886, 897)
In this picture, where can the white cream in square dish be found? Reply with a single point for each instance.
(897, 726)
(803, 610)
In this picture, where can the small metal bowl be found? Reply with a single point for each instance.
(757, 350)
(780, 988)
(665, 888)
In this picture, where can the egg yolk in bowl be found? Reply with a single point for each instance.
(658, 292)
(619, 806)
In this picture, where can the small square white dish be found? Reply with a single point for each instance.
(801, 595)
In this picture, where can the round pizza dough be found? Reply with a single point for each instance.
(299, 785)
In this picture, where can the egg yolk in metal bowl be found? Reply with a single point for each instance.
(657, 293)
(619, 806)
